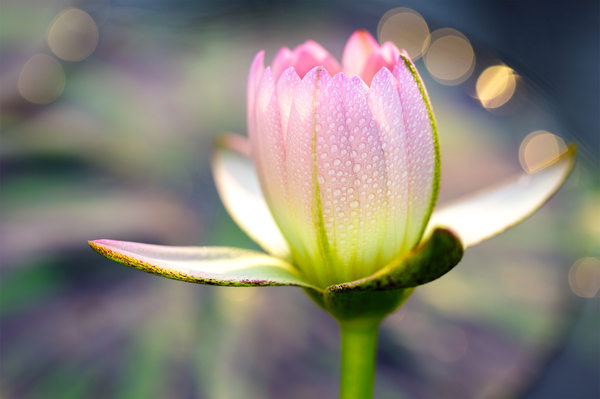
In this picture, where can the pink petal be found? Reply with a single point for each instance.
(360, 180)
(372, 66)
(269, 155)
(367, 187)
(311, 54)
(386, 57)
(390, 54)
(302, 178)
(256, 71)
(322, 56)
(337, 178)
(286, 87)
(357, 51)
(385, 103)
(420, 142)
(335, 174)
(282, 61)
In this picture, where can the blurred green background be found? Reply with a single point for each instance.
(108, 113)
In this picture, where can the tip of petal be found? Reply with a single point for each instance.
(390, 54)
(317, 71)
(314, 48)
(289, 73)
(311, 54)
(358, 49)
(105, 243)
(382, 75)
(101, 246)
(282, 60)
(364, 37)
(258, 60)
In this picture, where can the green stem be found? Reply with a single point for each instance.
(359, 354)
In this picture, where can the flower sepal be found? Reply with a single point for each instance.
(376, 296)
(359, 306)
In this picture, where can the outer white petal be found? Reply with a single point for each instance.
(239, 188)
(484, 214)
(204, 265)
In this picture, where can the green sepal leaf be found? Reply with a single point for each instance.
(376, 296)
(431, 260)
(357, 306)
(204, 265)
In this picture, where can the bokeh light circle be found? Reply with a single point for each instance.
(540, 149)
(450, 58)
(42, 79)
(584, 277)
(406, 29)
(73, 35)
(495, 86)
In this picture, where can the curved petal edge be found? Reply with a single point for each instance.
(484, 214)
(204, 265)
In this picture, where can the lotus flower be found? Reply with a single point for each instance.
(337, 184)
(350, 171)
(344, 182)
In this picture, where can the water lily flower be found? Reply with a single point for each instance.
(338, 183)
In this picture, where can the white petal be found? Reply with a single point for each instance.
(238, 186)
(204, 265)
(482, 215)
